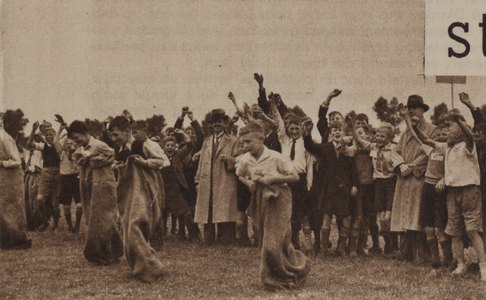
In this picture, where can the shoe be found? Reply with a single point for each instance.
(460, 270)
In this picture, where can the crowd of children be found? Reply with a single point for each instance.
(261, 186)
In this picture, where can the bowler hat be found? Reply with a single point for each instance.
(217, 114)
(417, 101)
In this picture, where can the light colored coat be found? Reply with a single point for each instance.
(408, 191)
(221, 186)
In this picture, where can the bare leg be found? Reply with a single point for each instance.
(458, 250)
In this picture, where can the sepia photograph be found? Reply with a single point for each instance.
(243, 149)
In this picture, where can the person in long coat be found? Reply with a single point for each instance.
(408, 191)
(217, 183)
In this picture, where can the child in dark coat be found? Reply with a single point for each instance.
(339, 182)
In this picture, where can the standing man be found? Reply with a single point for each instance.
(408, 191)
(216, 181)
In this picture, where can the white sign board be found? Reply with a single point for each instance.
(455, 37)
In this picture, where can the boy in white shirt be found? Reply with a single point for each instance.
(462, 178)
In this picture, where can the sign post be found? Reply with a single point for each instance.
(451, 80)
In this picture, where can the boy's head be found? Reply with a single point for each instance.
(49, 134)
(120, 130)
(69, 145)
(257, 111)
(251, 138)
(191, 133)
(364, 132)
(456, 135)
(440, 133)
(336, 116)
(44, 126)
(361, 120)
(170, 132)
(77, 131)
(294, 128)
(139, 130)
(384, 134)
(337, 131)
(169, 145)
(479, 132)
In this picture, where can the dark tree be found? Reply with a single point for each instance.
(388, 112)
(441, 114)
(94, 127)
(155, 125)
(14, 121)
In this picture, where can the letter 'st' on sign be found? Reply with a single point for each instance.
(455, 37)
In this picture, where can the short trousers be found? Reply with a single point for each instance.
(465, 210)
(69, 189)
(433, 209)
(49, 182)
(384, 193)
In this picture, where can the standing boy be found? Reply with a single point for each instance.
(338, 183)
(267, 173)
(462, 178)
(385, 160)
(97, 186)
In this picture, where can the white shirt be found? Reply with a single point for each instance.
(461, 165)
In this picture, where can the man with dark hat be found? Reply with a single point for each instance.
(216, 181)
(408, 191)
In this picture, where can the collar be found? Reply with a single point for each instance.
(219, 135)
(90, 143)
(130, 141)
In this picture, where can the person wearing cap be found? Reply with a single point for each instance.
(408, 192)
(216, 181)
(12, 210)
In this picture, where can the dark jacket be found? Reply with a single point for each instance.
(331, 189)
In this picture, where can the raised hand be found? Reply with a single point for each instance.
(185, 111)
(308, 125)
(455, 115)
(231, 96)
(334, 93)
(190, 115)
(35, 126)
(258, 78)
(464, 97)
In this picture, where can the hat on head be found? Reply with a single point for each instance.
(417, 101)
(217, 114)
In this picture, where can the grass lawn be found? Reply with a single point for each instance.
(55, 268)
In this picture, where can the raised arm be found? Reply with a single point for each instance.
(475, 111)
(57, 138)
(199, 132)
(403, 110)
(30, 141)
(262, 95)
(424, 138)
(456, 117)
(240, 111)
(180, 120)
(322, 123)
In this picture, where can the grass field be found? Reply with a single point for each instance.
(55, 268)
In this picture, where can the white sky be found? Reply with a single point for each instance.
(95, 58)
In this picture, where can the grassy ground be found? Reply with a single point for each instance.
(55, 268)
